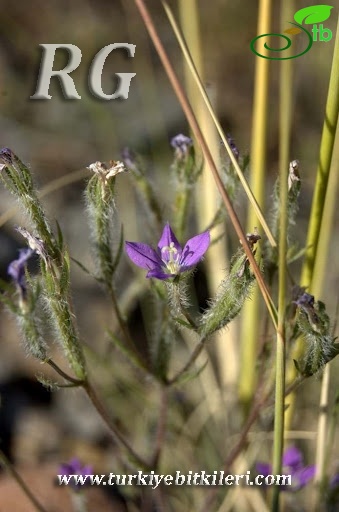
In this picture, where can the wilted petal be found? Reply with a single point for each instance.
(143, 255)
(35, 243)
(105, 172)
(98, 168)
(116, 168)
(194, 250)
(167, 238)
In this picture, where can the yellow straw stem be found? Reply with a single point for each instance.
(195, 75)
(251, 312)
(207, 197)
(206, 152)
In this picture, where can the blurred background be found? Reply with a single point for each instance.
(57, 137)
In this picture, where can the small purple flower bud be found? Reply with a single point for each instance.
(181, 143)
(233, 147)
(128, 157)
(7, 155)
(305, 300)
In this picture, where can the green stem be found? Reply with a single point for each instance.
(112, 427)
(195, 354)
(124, 329)
(284, 157)
(76, 382)
(318, 286)
(161, 429)
(194, 70)
(325, 158)
(189, 318)
(310, 271)
(251, 312)
(181, 210)
(237, 449)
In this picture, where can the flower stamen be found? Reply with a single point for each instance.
(171, 256)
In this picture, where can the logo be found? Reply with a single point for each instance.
(312, 15)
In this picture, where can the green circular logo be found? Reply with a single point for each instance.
(288, 44)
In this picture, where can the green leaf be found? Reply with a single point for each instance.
(6, 286)
(119, 251)
(182, 322)
(64, 275)
(297, 366)
(313, 14)
(60, 238)
(294, 253)
(133, 357)
(7, 301)
(85, 269)
(48, 383)
(82, 266)
(191, 374)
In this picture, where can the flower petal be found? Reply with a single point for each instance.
(16, 269)
(75, 465)
(143, 255)
(167, 238)
(181, 144)
(194, 250)
(263, 468)
(292, 458)
(301, 477)
(87, 470)
(158, 274)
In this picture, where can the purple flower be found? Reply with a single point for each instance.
(16, 269)
(169, 259)
(181, 143)
(75, 468)
(292, 463)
